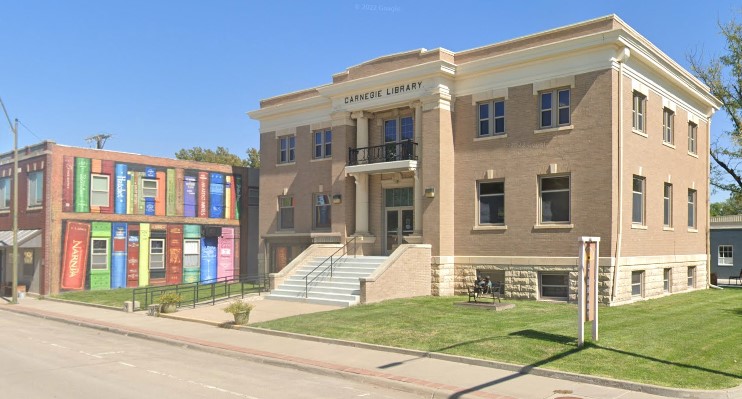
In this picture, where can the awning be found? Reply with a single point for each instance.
(26, 238)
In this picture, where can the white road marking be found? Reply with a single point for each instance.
(127, 364)
(59, 346)
(90, 354)
(108, 353)
(203, 385)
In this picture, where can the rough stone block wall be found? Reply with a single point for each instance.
(405, 274)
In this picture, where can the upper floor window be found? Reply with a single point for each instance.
(286, 149)
(5, 193)
(491, 203)
(691, 208)
(555, 192)
(637, 200)
(321, 211)
(638, 111)
(726, 257)
(149, 188)
(323, 144)
(285, 212)
(668, 122)
(692, 138)
(35, 189)
(396, 130)
(99, 189)
(491, 118)
(555, 108)
(667, 205)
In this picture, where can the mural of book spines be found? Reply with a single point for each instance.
(161, 199)
(82, 185)
(174, 272)
(179, 191)
(238, 193)
(208, 258)
(228, 201)
(95, 169)
(129, 190)
(132, 257)
(108, 168)
(192, 271)
(216, 195)
(68, 183)
(171, 193)
(74, 263)
(144, 234)
(120, 198)
(190, 203)
(225, 260)
(203, 194)
(118, 257)
(100, 274)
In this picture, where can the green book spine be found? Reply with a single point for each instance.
(82, 185)
(100, 269)
(170, 193)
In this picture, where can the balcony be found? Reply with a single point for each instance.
(385, 158)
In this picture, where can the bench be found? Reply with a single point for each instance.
(493, 293)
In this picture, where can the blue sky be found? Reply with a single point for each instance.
(164, 75)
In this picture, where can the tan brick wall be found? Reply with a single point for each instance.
(405, 274)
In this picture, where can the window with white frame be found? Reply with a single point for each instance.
(668, 122)
(35, 189)
(5, 193)
(99, 254)
(191, 253)
(99, 189)
(286, 149)
(639, 111)
(691, 276)
(666, 280)
(491, 203)
(638, 200)
(285, 212)
(321, 211)
(555, 199)
(157, 254)
(726, 253)
(149, 188)
(554, 285)
(554, 106)
(691, 208)
(692, 138)
(637, 283)
(323, 144)
(491, 118)
(667, 205)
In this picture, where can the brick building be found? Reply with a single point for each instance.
(499, 158)
(97, 219)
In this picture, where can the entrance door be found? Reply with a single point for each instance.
(399, 223)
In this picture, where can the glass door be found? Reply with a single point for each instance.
(399, 223)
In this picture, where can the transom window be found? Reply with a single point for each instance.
(321, 211)
(99, 254)
(149, 188)
(692, 138)
(491, 203)
(323, 144)
(491, 118)
(668, 122)
(726, 257)
(35, 189)
(639, 111)
(637, 200)
(5, 193)
(555, 193)
(286, 212)
(667, 205)
(99, 189)
(286, 149)
(691, 208)
(395, 197)
(555, 108)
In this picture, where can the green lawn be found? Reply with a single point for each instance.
(691, 340)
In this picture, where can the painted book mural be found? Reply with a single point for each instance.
(105, 255)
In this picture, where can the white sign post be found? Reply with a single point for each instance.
(587, 287)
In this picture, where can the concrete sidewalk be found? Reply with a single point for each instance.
(431, 375)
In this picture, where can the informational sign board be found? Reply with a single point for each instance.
(587, 287)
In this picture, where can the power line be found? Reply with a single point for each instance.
(31, 131)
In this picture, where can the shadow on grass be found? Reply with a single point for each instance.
(737, 311)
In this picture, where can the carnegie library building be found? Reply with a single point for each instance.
(494, 161)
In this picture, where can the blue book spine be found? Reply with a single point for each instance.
(120, 199)
(189, 199)
(149, 206)
(216, 197)
(118, 256)
(208, 259)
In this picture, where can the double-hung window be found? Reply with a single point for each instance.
(638, 200)
(555, 193)
(639, 111)
(285, 212)
(691, 276)
(691, 208)
(156, 254)
(323, 144)
(99, 254)
(491, 118)
(321, 211)
(191, 253)
(637, 283)
(667, 205)
(668, 123)
(554, 108)
(35, 189)
(692, 138)
(149, 188)
(99, 189)
(491, 203)
(726, 257)
(666, 280)
(5, 193)
(286, 149)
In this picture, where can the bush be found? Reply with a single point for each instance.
(239, 307)
(170, 298)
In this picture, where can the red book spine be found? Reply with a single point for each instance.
(132, 263)
(174, 268)
(68, 184)
(203, 194)
(96, 168)
(108, 168)
(74, 265)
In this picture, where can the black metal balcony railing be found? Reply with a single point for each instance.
(400, 151)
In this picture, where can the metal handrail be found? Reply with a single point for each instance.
(405, 150)
(345, 252)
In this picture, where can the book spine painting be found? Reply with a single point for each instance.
(82, 185)
(118, 257)
(68, 184)
(74, 263)
(121, 189)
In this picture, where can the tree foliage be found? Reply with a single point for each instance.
(723, 75)
(221, 156)
(732, 206)
(253, 157)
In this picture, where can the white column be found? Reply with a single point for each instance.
(361, 178)
(418, 200)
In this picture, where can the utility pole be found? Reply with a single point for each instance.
(15, 204)
(99, 139)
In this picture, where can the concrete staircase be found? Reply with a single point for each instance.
(343, 289)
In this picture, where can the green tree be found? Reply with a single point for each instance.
(723, 75)
(732, 206)
(253, 157)
(221, 156)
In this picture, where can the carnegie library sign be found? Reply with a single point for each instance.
(389, 91)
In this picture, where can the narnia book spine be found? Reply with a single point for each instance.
(74, 263)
